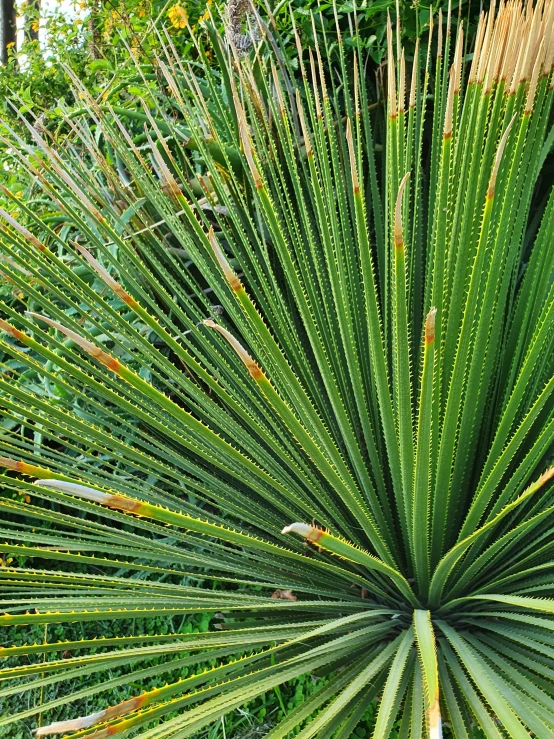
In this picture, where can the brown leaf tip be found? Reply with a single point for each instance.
(311, 533)
(11, 464)
(430, 326)
(255, 372)
(546, 476)
(283, 595)
(398, 237)
(434, 720)
(9, 329)
(230, 276)
(94, 351)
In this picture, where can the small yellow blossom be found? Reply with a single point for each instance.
(34, 26)
(178, 16)
(27, 499)
(9, 46)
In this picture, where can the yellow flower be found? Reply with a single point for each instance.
(9, 46)
(178, 16)
(34, 26)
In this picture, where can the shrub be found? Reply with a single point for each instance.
(307, 356)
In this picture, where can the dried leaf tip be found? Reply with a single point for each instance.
(311, 533)
(305, 134)
(415, 77)
(244, 133)
(94, 351)
(23, 467)
(85, 722)
(11, 464)
(27, 235)
(447, 132)
(499, 153)
(435, 721)
(9, 329)
(283, 595)
(430, 326)
(246, 359)
(104, 274)
(402, 84)
(458, 58)
(546, 476)
(534, 80)
(63, 727)
(230, 276)
(81, 491)
(96, 496)
(398, 238)
(352, 155)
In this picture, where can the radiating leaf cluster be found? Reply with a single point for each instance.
(286, 311)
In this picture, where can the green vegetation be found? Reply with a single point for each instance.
(278, 392)
(104, 43)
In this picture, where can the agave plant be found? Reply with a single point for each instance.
(299, 347)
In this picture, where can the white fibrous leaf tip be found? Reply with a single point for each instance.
(81, 491)
(302, 529)
(62, 727)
